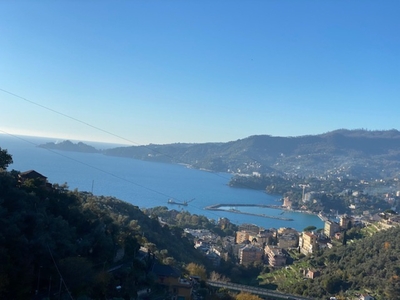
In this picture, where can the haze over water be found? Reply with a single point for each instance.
(147, 184)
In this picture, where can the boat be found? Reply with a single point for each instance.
(184, 203)
(172, 201)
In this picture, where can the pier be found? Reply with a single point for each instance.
(217, 207)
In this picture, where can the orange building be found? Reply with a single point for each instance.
(169, 277)
(345, 221)
(308, 243)
(276, 257)
(250, 254)
(242, 236)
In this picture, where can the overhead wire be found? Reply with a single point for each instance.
(59, 273)
(87, 165)
(83, 122)
(108, 173)
(112, 134)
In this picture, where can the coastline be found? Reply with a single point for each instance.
(140, 182)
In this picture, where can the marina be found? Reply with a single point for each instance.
(148, 184)
(217, 207)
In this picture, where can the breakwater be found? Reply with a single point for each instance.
(150, 184)
(217, 207)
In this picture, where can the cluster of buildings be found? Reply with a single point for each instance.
(210, 244)
(250, 245)
(255, 245)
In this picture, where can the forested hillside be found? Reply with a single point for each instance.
(371, 264)
(61, 243)
(356, 153)
(54, 241)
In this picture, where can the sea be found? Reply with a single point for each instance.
(150, 184)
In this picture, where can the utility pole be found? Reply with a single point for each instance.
(59, 292)
(38, 281)
(49, 287)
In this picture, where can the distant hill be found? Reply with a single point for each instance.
(70, 146)
(354, 153)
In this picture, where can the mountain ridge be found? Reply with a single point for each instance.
(359, 153)
(355, 153)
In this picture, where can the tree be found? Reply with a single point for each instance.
(344, 241)
(77, 274)
(332, 284)
(214, 276)
(5, 159)
(197, 270)
(390, 211)
(247, 296)
(310, 228)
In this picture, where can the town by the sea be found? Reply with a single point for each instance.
(149, 184)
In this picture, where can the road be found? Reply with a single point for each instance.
(255, 290)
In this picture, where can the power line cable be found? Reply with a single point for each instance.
(93, 167)
(99, 129)
(88, 165)
(107, 132)
(83, 122)
(68, 116)
(59, 273)
(107, 172)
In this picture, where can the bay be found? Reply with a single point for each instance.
(148, 184)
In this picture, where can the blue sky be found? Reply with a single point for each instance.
(197, 71)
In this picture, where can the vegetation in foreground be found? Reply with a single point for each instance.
(366, 264)
(60, 243)
(54, 241)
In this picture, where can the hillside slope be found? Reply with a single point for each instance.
(50, 234)
(355, 153)
(369, 264)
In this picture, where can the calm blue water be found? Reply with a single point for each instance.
(146, 184)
